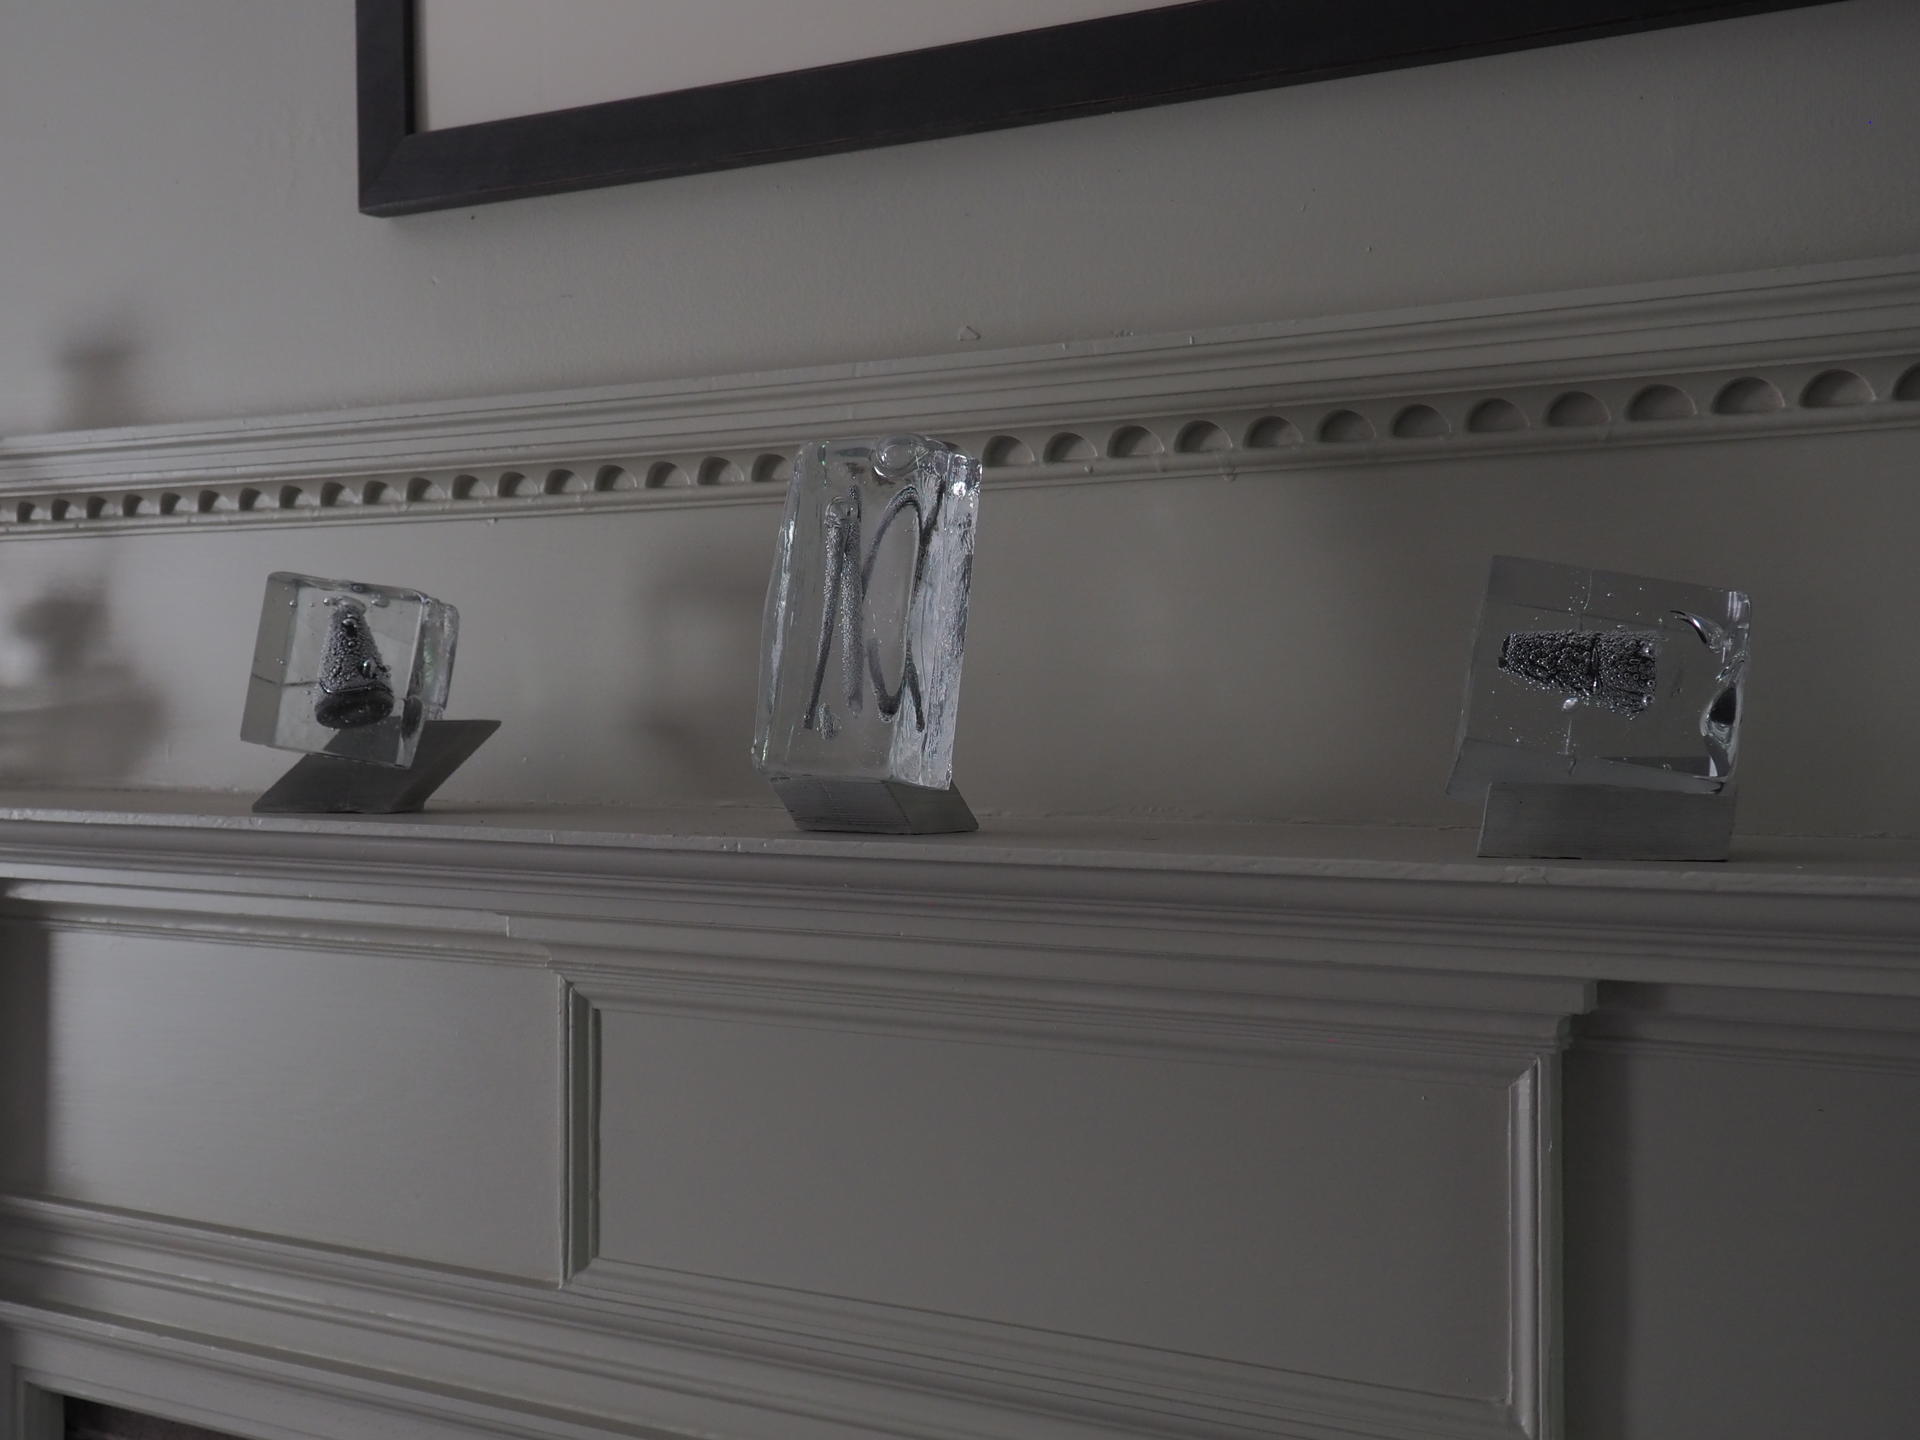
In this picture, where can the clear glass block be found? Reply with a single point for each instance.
(341, 668)
(1588, 677)
(866, 613)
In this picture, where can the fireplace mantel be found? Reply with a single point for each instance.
(552, 1123)
(594, 1121)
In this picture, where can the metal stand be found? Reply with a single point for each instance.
(872, 807)
(1604, 822)
(330, 785)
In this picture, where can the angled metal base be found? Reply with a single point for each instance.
(872, 807)
(1604, 822)
(329, 785)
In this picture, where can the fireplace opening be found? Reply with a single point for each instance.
(90, 1420)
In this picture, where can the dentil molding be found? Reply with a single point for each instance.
(1809, 350)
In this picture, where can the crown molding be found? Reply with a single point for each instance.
(1815, 349)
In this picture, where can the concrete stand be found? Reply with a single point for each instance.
(872, 807)
(1604, 822)
(330, 785)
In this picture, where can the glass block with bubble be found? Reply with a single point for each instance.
(348, 670)
(1586, 676)
(864, 633)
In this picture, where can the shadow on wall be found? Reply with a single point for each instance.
(70, 710)
(101, 378)
(1598, 1226)
(698, 647)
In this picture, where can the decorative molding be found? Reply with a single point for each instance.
(1479, 1037)
(1107, 1382)
(285, 923)
(1198, 1392)
(1875, 1035)
(580, 1135)
(1101, 1382)
(249, 1390)
(624, 1340)
(1821, 349)
(325, 1320)
(1534, 1330)
(1097, 908)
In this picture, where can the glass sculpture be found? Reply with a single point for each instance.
(1588, 677)
(348, 670)
(866, 620)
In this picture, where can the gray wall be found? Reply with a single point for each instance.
(182, 242)
(181, 239)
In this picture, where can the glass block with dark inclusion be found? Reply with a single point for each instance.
(866, 614)
(346, 669)
(1590, 677)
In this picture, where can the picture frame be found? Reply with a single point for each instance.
(1175, 52)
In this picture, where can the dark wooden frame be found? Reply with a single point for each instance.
(1179, 52)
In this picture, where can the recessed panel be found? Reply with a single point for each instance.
(1740, 1241)
(1336, 1222)
(383, 1103)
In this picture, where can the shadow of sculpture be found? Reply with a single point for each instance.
(71, 709)
(698, 647)
(101, 377)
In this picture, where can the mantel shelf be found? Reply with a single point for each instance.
(1829, 867)
(1811, 913)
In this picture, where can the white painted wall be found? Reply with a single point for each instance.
(181, 239)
